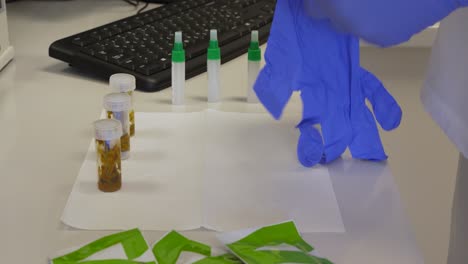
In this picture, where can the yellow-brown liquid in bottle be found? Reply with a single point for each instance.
(125, 142)
(125, 139)
(132, 117)
(132, 123)
(109, 166)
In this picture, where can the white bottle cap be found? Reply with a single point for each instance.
(117, 102)
(178, 37)
(107, 129)
(213, 35)
(122, 82)
(254, 37)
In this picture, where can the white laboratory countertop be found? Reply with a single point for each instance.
(46, 110)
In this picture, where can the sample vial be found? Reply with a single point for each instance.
(255, 57)
(118, 107)
(214, 65)
(125, 83)
(178, 70)
(107, 133)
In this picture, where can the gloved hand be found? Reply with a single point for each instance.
(309, 56)
(383, 22)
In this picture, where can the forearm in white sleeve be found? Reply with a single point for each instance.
(458, 250)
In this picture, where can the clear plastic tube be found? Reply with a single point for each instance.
(178, 70)
(214, 81)
(255, 57)
(253, 71)
(178, 83)
(213, 66)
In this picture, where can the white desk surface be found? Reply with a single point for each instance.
(46, 110)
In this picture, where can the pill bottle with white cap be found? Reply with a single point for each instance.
(107, 133)
(118, 107)
(125, 83)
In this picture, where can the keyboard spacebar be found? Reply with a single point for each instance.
(196, 49)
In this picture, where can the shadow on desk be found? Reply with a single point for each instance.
(140, 156)
(64, 69)
(375, 196)
(89, 187)
(239, 99)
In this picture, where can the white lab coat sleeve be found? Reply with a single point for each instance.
(458, 253)
(445, 92)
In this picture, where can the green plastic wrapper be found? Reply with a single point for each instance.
(255, 248)
(223, 259)
(132, 242)
(249, 249)
(169, 248)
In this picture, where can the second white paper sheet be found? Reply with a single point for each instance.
(253, 177)
(222, 171)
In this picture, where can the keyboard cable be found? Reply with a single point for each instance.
(136, 3)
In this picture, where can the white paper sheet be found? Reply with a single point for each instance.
(161, 181)
(223, 171)
(251, 161)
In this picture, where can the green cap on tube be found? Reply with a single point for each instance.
(178, 52)
(214, 52)
(255, 53)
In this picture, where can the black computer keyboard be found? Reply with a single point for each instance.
(141, 45)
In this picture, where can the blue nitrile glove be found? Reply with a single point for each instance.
(366, 143)
(383, 22)
(308, 55)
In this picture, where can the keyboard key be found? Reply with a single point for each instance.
(120, 59)
(95, 35)
(147, 18)
(83, 41)
(105, 33)
(103, 55)
(165, 61)
(88, 51)
(132, 64)
(150, 69)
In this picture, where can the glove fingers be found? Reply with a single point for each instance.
(386, 109)
(336, 133)
(310, 144)
(310, 147)
(336, 130)
(366, 143)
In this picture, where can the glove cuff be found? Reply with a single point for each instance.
(273, 93)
